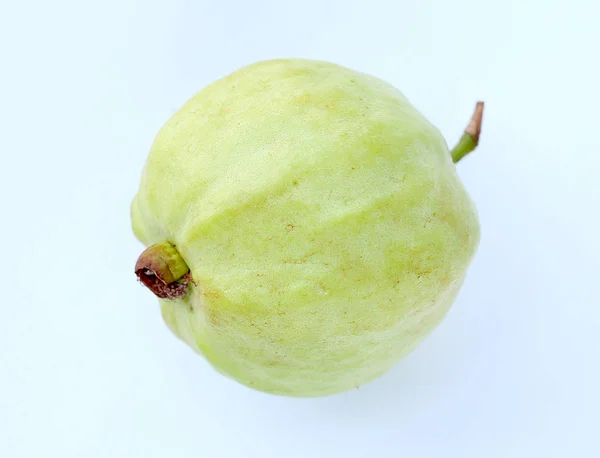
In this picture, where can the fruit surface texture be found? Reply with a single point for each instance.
(322, 221)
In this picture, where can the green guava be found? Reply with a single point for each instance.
(305, 224)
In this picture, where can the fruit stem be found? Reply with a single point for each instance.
(163, 271)
(470, 138)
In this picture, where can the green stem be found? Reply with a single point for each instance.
(470, 138)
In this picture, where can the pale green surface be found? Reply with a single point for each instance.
(322, 218)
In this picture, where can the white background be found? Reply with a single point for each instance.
(88, 369)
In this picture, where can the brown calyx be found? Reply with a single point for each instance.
(162, 270)
(160, 288)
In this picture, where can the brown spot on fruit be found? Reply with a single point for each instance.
(212, 294)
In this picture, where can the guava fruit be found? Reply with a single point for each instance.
(305, 224)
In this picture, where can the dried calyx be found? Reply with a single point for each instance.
(162, 270)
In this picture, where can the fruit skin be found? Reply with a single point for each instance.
(322, 219)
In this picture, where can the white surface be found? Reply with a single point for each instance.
(87, 368)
